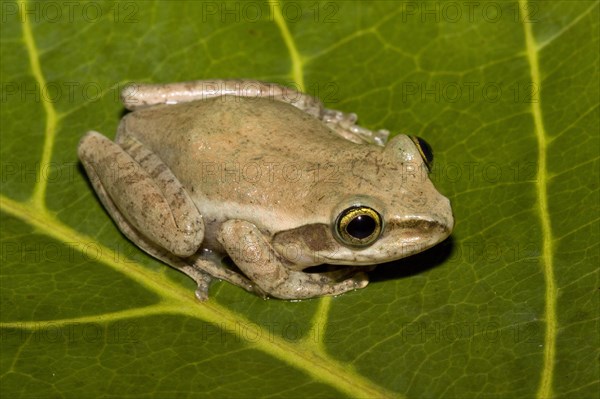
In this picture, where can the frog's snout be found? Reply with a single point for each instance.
(423, 229)
(445, 216)
(441, 217)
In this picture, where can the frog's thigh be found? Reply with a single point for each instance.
(344, 124)
(146, 194)
(248, 248)
(143, 95)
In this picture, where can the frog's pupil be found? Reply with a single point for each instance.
(426, 151)
(361, 226)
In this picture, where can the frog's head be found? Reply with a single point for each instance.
(386, 210)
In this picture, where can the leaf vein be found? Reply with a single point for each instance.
(566, 28)
(39, 192)
(297, 64)
(547, 261)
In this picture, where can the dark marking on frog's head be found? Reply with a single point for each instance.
(303, 245)
(315, 237)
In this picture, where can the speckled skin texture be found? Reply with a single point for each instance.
(194, 176)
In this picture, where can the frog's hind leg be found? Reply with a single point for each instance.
(344, 124)
(97, 154)
(142, 95)
(137, 96)
(144, 190)
(114, 173)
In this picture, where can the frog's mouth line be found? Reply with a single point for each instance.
(420, 228)
(402, 239)
(312, 245)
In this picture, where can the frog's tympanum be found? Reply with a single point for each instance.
(269, 177)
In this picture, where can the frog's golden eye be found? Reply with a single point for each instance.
(425, 150)
(358, 226)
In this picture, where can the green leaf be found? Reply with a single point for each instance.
(506, 93)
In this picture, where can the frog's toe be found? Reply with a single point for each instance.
(201, 294)
(203, 280)
(356, 282)
(359, 280)
(260, 292)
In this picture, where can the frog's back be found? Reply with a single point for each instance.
(234, 129)
(253, 151)
(229, 127)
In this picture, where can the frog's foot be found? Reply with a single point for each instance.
(202, 280)
(136, 96)
(253, 254)
(208, 262)
(341, 273)
(345, 125)
(346, 278)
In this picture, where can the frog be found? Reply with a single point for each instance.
(260, 185)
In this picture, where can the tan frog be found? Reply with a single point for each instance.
(269, 177)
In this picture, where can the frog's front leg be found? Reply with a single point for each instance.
(253, 254)
(137, 96)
